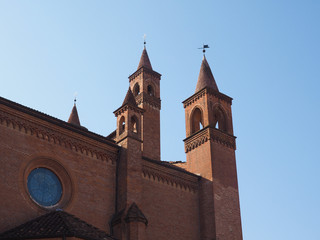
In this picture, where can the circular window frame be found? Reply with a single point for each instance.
(46, 177)
(61, 173)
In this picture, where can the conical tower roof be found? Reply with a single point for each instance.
(144, 60)
(129, 99)
(74, 118)
(206, 78)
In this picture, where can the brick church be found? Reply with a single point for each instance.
(61, 181)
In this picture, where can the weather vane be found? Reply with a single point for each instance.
(204, 48)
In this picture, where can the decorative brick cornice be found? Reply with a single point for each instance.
(196, 139)
(151, 100)
(202, 93)
(126, 107)
(223, 138)
(170, 176)
(146, 72)
(56, 135)
(209, 133)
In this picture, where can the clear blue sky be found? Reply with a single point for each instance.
(264, 54)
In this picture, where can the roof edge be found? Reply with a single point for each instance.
(69, 126)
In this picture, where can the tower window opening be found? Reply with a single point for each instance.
(150, 90)
(134, 124)
(122, 125)
(136, 89)
(220, 120)
(196, 121)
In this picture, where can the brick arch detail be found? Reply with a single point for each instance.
(218, 108)
(66, 179)
(191, 122)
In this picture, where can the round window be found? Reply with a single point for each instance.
(44, 187)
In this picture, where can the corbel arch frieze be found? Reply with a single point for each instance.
(169, 180)
(57, 138)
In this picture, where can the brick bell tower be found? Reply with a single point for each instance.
(145, 86)
(210, 150)
(128, 221)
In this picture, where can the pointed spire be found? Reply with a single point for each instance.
(74, 118)
(144, 60)
(206, 78)
(129, 99)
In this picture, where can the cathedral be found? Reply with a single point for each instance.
(61, 181)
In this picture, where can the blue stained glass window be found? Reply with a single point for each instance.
(44, 187)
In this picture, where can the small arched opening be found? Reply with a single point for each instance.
(150, 90)
(136, 89)
(220, 120)
(122, 125)
(134, 124)
(196, 120)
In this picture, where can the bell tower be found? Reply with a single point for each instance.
(129, 222)
(145, 86)
(210, 151)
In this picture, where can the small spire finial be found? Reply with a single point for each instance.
(75, 98)
(144, 40)
(204, 48)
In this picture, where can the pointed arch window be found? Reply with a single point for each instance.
(136, 89)
(220, 120)
(134, 124)
(150, 90)
(122, 125)
(196, 120)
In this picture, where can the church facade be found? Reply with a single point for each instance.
(61, 181)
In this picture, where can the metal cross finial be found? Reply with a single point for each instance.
(144, 40)
(204, 48)
(75, 98)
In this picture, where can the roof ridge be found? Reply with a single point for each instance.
(56, 121)
(55, 224)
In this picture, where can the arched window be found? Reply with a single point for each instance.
(122, 125)
(150, 90)
(134, 124)
(196, 120)
(219, 118)
(136, 89)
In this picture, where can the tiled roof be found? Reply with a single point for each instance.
(170, 165)
(129, 99)
(134, 214)
(56, 224)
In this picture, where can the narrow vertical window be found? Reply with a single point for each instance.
(196, 121)
(150, 90)
(122, 125)
(136, 89)
(220, 120)
(134, 127)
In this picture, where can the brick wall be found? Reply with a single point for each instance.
(88, 178)
(172, 211)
